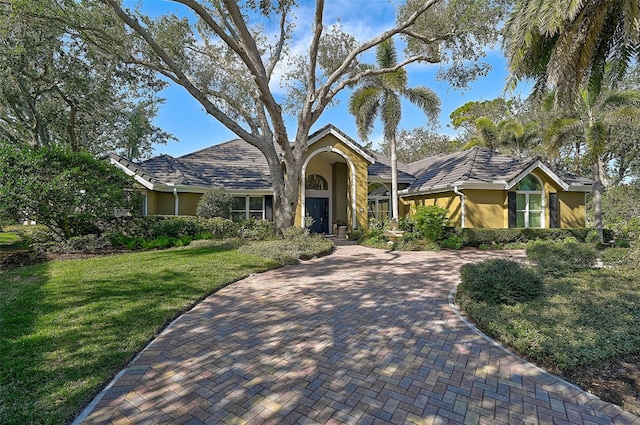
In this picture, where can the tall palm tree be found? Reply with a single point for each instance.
(564, 43)
(590, 124)
(380, 94)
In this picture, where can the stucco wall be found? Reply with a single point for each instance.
(164, 204)
(340, 207)
(188, 203)
(486, 208)
(572, 209)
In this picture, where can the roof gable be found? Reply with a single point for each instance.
(352, 144)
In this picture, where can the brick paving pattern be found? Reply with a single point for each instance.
(359, 337)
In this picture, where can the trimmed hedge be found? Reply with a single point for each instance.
(152, 227)
(478, 237)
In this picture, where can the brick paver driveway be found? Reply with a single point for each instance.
(362, 336)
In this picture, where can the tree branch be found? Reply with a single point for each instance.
(179, 77)
(279, 45)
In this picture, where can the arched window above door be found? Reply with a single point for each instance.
(316, 182)
(529, 183)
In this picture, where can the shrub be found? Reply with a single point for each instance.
(559, 258)
(592, 237)
(215, 203)
(614, 256)
(87, 244)
(294, 246)
(256, 229)
(35, 234)
(68, 192)
(477, 237)
(500, 281)
(417, 244)
(374, 236)
(431, 220)
(176, 227)
(452, 242)
(355, 235)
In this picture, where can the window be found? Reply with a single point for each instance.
(316, 182)
(379, 201)
(245, 207)
(529, 206)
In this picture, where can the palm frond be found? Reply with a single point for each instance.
(426, 99)
(386, 54)
(364, 104)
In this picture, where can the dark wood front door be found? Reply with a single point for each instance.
(318, 209)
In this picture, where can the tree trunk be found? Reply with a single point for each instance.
(394, 179)
(286, 189)
(597, 197)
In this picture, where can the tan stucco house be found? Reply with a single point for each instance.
(345, 184)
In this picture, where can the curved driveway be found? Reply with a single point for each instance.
(362, 336)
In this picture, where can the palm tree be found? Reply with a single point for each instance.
(379, 94)
(564, 43)
(509, 136)
(588, 127)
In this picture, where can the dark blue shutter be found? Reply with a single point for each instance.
(268, 207)
(554, 211)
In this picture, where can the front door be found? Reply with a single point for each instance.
(318, 210)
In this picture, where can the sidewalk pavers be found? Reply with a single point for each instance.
(362, 336)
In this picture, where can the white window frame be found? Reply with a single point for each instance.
(377, 199)
(527, 211)
(247, 211)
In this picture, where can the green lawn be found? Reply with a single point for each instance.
(67, 327)
(585, 317)
(9, 240)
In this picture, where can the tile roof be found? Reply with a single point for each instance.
(236, 165)
(477, 165)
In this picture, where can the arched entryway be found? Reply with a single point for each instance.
(325, 207)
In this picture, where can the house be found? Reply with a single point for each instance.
(345, 183)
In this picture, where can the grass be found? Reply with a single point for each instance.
(10, 241)
(586, 317)
(67, 327)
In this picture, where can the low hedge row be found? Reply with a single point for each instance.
(478, 237)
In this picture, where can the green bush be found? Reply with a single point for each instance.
(35, 234)
(86, 244)
(256, 229)
(614, 256)
(417, 244)
(452, 242)
(560, 258)
(477, 237)
(294, 246)
(500, 281)
(220, 228)
(215, 203)
(621, 243)
(355, 235)
(430, 221)
(374, 236)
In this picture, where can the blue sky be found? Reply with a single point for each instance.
(182, 116)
